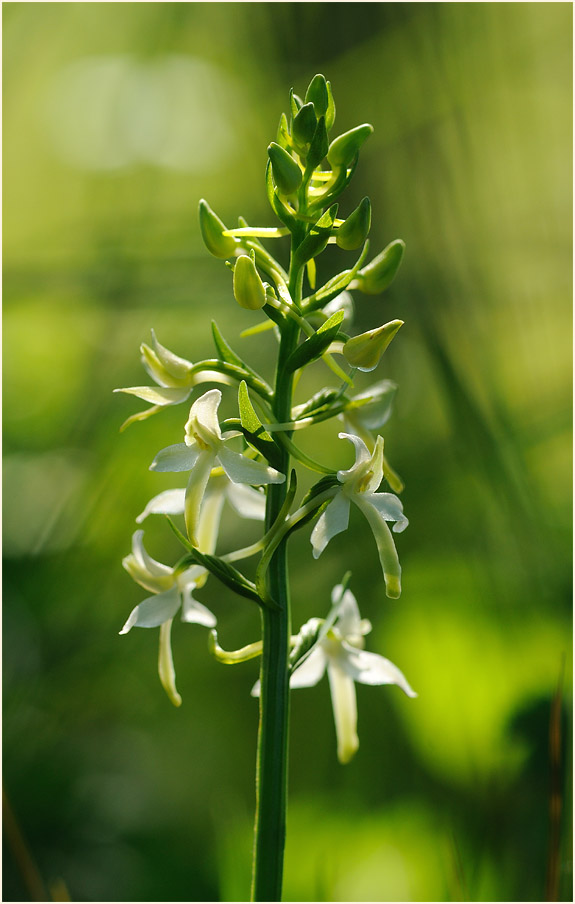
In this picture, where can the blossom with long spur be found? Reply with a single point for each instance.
(172, 590)
(339, 651)
(203, 448)
(358, 485)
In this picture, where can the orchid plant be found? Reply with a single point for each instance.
(251, 461)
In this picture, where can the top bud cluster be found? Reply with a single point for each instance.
(306, 172)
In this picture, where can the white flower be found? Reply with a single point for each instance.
(370, 410)
(340, 652)
(171, 590)
(204, 447)
(247, 502)
(358, 485)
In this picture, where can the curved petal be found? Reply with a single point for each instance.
(203, 423)
(247, 502)
(176, 367)
(333, 521)
(170, 502)
(311, 671)
(344, 705)
(348, 619)
(375, 471)
(194, 612)
(362, 456)
(370, 668)
(211, 513)
(175, 458)
(245, 470)
(390, 508)
(166, 669)
(385, 546)
(154, 611)
(195, 490)
(158, 395)
(144, 570)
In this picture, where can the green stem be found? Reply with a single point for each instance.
(271, 781)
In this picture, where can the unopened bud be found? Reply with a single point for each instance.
(304, 125)
(286, 172)
(353, 233)
(317, 238)
(365, 350)
(343, 149)
(249, 290)
(212, 230)
(380, 272)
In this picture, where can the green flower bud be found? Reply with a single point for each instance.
(318, 95)
(249, 290)
(319, 145)
(380, 272)
(365, 350)
(304, 125)
(283, 136)
(343, 149)
(212, 229)
(286, 172)
(353, 233)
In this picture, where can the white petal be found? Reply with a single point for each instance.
(144, 570)
(247, 502)
(194, 612)
(333, 521)
(147, 563)
(170, 502)
(375, 467)
(178, 368)
(344, 704)
(166, 669)
(203, 420)
(158, 395)
(245, 470)
(210, 513)
(370, 668)
(390, 508)
(255, 691)
(349, 619)
(362, 456)
(195, 490)
(310, 671)
(175, 458)
(154, 611)
(385, 546)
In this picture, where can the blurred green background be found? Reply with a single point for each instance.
(117, 119)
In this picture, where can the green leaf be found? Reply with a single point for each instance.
(249, 419)
(314, 347)
(336, 284)
(295, 103)
(320, 401)
(325, 483)
(224, 572)
(317, 238)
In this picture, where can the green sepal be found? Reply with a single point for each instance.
(317, 94)
(314, 347)
(353, 233)
(330, 112)
(317, 238)
(319, 145)
(227, 354)
(344, 148)
(286, 172)
(381, 271)
(212, 228)
(279, 208)
(304, 125)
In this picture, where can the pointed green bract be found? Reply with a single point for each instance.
(318, 236)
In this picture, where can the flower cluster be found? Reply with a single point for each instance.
(250, 460)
